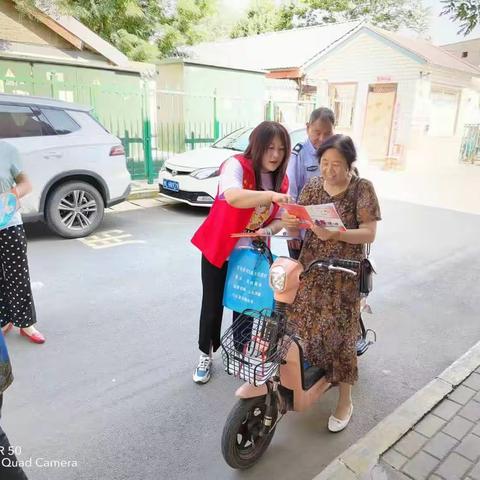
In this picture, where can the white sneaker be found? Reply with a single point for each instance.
(203, 371)
(337, 425)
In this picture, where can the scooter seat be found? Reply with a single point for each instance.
(311, 376)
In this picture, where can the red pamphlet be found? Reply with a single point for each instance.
(300, 212)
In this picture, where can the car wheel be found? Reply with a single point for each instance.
(74, 209)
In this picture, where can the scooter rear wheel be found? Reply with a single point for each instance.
(242, 445)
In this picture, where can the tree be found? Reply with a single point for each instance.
(388, 14)
(391, 14)
(142, 29)
(262, 16)
(134, 47)
(465, 11)
(288, 14)
(185, 24)
(127, 24)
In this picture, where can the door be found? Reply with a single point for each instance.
(378, 120)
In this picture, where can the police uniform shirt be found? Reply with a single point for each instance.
(302, 166)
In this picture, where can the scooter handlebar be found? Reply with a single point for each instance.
(341, 269)
(335, 264)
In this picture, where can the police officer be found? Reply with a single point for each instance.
(303, 163)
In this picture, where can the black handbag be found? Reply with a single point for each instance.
(366, 270)
(366, 274)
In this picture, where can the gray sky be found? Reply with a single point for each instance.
(442, 29)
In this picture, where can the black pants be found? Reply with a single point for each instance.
(16, 299)
(213, 282)
(8, 458)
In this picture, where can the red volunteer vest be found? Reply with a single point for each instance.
(213, 238)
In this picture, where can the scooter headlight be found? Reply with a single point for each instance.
(278, 278)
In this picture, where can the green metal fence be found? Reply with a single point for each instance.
(122, 109)
(189, 121)
(154, 125)
(148, 133)
(470, 147)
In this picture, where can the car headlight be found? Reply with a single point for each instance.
(203, 173)
(277, 278)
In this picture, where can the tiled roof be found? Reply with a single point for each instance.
(430, 53)
(90, 38)
(296, 48)
(277, 50)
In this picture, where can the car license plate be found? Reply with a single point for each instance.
(171, 185)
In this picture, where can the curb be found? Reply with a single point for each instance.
(358, 461)
(140, 194)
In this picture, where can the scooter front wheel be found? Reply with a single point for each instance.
(242, 441)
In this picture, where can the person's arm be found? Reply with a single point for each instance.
(365, 233)
(271, 229)
(292, 176)
(368, 213)
(300, 175)
(231, 187)
(23, 186)
(291, 224)
(242, 198)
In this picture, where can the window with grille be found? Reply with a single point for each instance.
(443, 111)
(342, 102)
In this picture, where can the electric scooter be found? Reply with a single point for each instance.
(262, 349)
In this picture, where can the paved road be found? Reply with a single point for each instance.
(112, 389)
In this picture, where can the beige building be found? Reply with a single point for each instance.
(401, 99)
(469, 50)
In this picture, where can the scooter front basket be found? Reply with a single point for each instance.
(254, 346)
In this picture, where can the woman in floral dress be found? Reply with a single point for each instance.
(327, 307)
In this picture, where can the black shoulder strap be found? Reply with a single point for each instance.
(357, 186)
(356, 199)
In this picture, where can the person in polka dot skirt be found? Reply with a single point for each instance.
(17, 308)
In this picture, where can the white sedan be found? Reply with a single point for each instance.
(192, 177)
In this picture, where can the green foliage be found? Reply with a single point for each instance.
(262, 16)
(389, 14)
(185, 25)
(142, 29)
(134, 47)
(150, 29)
(467, 12)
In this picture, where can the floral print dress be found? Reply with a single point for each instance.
(327, 307)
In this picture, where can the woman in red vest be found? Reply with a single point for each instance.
(251, 186)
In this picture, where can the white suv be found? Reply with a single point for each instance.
(77, 168)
